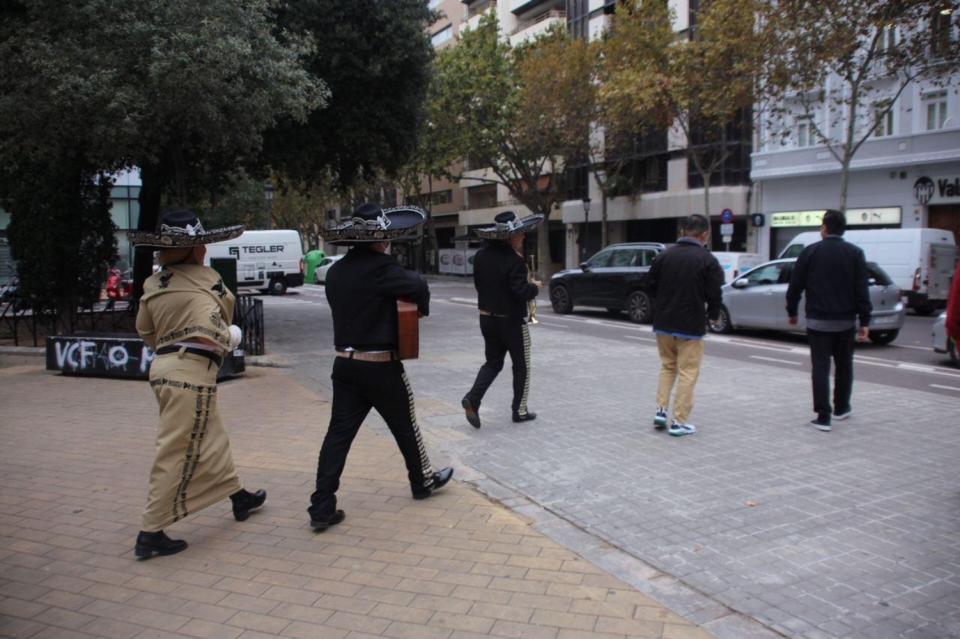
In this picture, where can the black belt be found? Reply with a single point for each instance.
(213, 357)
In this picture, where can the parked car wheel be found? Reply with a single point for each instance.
(278, 287)
(883, 337)
(560, 300)
(639, 309)
(722, 325)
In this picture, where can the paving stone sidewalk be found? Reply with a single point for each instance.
(74, 464)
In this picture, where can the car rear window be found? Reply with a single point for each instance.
(878, 275)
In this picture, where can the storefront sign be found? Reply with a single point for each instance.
(855, 217)
(925, 189)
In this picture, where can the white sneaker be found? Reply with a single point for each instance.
(679, 429)
(660, 418)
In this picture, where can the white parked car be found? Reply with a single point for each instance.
(941, 343)
(758, 299)
(324, 266)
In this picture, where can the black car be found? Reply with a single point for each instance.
(610, 279)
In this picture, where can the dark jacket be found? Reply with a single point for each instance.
(362, 289)
(500, 276)
(683, 280)
(833, 274)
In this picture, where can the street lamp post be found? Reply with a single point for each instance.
(268, 202)
(586, 228)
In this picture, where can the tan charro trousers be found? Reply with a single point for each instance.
(679, 358)
(194, 466)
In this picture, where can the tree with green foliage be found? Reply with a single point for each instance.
(181, 89)
(62, 238)
(695, 82)
(518, 113)
(841, 66)
(374, 56)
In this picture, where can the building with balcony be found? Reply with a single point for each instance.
(906, 174)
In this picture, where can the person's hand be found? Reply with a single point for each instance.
(792, 321)
(236, 336)
(863, 333)
(537, 283)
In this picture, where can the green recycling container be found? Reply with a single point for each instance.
(310, 262)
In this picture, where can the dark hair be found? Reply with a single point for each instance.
(695, 225)
(835, 221)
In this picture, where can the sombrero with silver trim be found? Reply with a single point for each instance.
(369, 223)
(181, 228)
(507, 225)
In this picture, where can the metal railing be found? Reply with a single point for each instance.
(248, 315)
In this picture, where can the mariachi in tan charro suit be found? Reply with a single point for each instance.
(184, 316)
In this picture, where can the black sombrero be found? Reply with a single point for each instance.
(507, 225)
(179, 228)
(370, 223)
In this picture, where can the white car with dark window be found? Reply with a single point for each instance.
(758, 300)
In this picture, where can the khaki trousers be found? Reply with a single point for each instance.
(679, 358)
(194, 466)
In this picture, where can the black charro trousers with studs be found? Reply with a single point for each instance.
(502, 335)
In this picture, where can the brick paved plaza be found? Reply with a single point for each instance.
(74, 463)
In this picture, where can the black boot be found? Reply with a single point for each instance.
(150, 544)
(245, 502)
(319, 525)
(471, 412)
(440, 478)
(526, 417)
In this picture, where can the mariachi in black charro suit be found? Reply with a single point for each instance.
(362, 290)
(503, 292)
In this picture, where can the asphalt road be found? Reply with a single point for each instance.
(909, 362)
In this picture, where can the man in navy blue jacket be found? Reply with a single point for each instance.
(685, 283)
(833, 275)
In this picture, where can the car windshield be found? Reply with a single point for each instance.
(599, 260)
(878, 275)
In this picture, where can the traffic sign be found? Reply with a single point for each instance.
(726, 216)
(726, 229)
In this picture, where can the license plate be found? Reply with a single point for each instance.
(882, 321)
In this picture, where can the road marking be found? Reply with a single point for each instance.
(774, 359)
(641, 339)
(953, 388)
(860, 360)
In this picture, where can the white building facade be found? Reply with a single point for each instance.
(905, 175)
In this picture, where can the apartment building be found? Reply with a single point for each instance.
(664, 186)
(906, 174)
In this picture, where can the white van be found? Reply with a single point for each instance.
(920, 261)
(735, 264)
(266, 260)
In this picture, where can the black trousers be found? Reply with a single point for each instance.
(502, 335)
(837, 346)
(358, 387)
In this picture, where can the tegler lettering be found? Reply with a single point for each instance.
(275, 248)
(949, 188)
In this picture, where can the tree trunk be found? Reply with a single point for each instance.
(543, 249)
(844, 181)
(604, 231)
(150, 190)
(706, 193)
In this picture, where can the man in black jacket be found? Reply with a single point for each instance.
(362, 290)
(683, 280)
(833, 274)
(503, 291)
